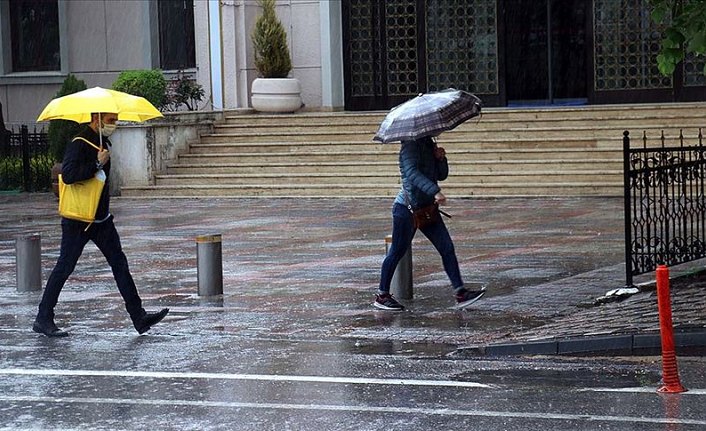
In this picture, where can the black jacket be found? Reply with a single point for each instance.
(81, 163)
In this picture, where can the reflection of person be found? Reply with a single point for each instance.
(81, 162)
(422, 165)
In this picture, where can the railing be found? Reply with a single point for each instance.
(665, 203)
(25, 161)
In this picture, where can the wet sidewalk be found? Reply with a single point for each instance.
(307, 269)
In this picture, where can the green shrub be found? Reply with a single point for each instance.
(11, 174)
(183, 90)
(61, 131)
(269, 38)
(149, 84)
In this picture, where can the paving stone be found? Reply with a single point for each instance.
(307, 269)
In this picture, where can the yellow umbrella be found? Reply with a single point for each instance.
(79, 106)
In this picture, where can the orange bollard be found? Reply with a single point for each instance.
(670, 372)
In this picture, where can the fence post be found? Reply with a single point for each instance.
(402, 284)
(209, 263)
(628, 214)
(28, 256)
(26, 173)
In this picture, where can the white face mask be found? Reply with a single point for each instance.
(108, 129)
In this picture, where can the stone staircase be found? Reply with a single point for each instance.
(507, 152)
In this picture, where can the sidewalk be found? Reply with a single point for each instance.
(306, 269)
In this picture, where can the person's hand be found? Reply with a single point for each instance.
(439, 153)
(103, 156)
(439, 198)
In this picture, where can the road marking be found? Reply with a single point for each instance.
(230, 376)
(347, 408)
(639, 390)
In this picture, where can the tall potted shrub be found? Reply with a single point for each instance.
(273, 90)
(61, 131)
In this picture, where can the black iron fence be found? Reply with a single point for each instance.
(25, 161)
(665, 203)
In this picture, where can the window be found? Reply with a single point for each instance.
(34, 35)
(176, 34)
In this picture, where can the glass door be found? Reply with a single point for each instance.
(546, 52)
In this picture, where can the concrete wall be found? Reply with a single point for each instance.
(300, 18)
(101, 38)
(142, 150)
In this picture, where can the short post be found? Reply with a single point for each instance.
(401, 286)
(209, 262)
(28, 249)
(670, 372)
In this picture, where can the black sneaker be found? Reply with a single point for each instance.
(387, 302)
(464, 298)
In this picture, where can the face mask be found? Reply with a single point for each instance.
(108, 129)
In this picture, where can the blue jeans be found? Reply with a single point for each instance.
(74, 238)
(402, 234)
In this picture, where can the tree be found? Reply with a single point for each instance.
(62, 131)
(269, 38)
(685, 30)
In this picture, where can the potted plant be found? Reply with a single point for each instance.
(273, 91)
(62, 131)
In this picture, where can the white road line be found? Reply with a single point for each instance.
(641, 390)
(229, 376)
(348, 408)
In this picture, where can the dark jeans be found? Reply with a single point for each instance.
(402, 234)
(74, 238)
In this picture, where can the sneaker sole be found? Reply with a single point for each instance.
(385, 308)
(462, 305)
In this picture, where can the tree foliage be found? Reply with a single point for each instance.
(685, 30)
(269, 38)
(62, 131)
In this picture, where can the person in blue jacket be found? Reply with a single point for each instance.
(422, 166)
(82, 160)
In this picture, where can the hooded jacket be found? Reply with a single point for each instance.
(420, 172)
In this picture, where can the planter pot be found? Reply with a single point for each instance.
(55, 171)
(276, 94)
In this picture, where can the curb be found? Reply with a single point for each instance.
(687, 344)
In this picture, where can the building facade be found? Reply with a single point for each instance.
(348, 54)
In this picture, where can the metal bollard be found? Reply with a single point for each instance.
(209, 262)
(401, 286)
(28, 249)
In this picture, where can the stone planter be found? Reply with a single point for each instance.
(276, 95)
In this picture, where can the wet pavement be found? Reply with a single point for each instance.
(303, 269)
(294, 341)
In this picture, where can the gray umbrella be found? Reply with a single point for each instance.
(428, 114)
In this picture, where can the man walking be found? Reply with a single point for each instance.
(85, 155)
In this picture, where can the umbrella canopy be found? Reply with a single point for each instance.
(79, 106)
(428, 114)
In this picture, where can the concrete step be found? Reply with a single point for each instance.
(386, 178)
(392, 155)
(213, 144)
(370, 125)
(569, 151)
(508, 132)
(589, 113)
(479, 166)
(453, 190)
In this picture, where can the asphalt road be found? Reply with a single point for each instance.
(114, 380)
